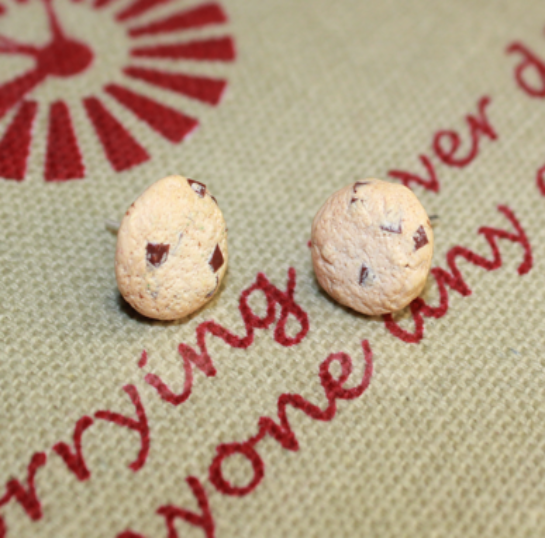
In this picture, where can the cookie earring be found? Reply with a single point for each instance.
(171, 253)
(372, 246)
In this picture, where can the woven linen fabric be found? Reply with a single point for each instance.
(272, 411)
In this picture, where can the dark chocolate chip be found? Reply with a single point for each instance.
(364, 274)
(216, 261)
(354, 200)
(130, 209)
(420, 238)
(199, 188)
(392, 229)
(157, 253)
(360, 184)
(210, 293)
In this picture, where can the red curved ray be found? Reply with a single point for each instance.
(121, 149)
(170, 123)
(205, 89)
(13, 91)
(197, 17)
(221, 49)
(3, 9)
(99, 4)
(15, 144)
(138, 7)
(11, 46)
(63, 160)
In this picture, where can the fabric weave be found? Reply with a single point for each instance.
(446, 441)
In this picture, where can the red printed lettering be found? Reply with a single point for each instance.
(26, 497)
(140, 425)
(203, 520)
(143, 359)
(171, 513)
(446, 146)
(530, 62)
(430, 183)
(166, 393)
(75, 462)
(284, 299)
(454, 279)
(446, 143)
(540, 180)
(281, 431)
(246, 449)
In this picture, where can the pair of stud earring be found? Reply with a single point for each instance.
(371, 244)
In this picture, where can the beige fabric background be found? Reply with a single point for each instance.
(449, 439)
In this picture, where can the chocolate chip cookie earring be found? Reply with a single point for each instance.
(372, 246)
(171, 251)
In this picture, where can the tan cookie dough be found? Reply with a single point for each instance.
(171, 249)
(372, 245)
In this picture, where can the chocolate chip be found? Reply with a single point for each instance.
(210, 293)
(392, 229)
(199, 188)
(364, 273)
(130, 209)
(157, 253)
(420, 238)
(360, 184)
(216, 261)
(354, 200)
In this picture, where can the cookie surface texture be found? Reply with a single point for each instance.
(372, 246)
(171, 249)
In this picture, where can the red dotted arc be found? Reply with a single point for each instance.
(67, 57)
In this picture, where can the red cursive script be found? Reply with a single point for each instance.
(454, 279)
(529, 62)
(446, 144)
(284, 299)
(281, 431)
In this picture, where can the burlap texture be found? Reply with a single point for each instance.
(447, 441)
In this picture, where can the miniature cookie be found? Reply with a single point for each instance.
(171, 249)
(372, 245)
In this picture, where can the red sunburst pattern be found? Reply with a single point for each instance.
(64, 56)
